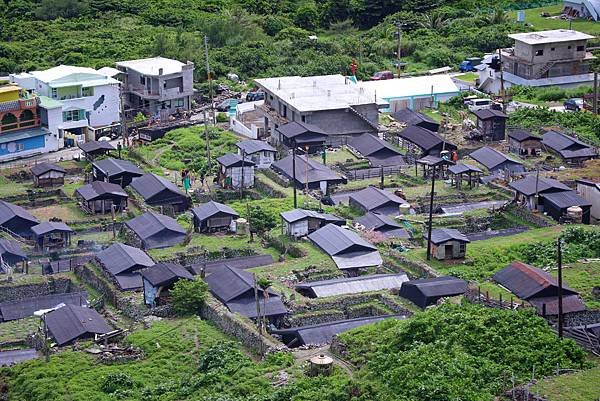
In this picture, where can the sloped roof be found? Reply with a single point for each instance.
(411, 117)
(149, 224)
(129, 281)
(294, 215)
(49, 227)
(42, 168)
(11, 247)
(522, 135)
(565, 199)
(316, 171)
(527, 185)
(95, 146)
(302, 132)
(463, 168)
(164, 274)
(229, 283)
(98, 189)
(571, 303)
(441, 235)
(589, 183)
(427, 291)
(234, 160)
(422, 137)
(335, 240)
(368, 144)
(119, 258)
(491, 158)
(384, 224)
(526, 281)
(486, 114)
(567, 146)
(209, 209)
(150, 185)
(251, 146)
(9, 211)
(353, 285)
(71, 322)
(111, 167)
(372, 198)
(246, 306)
(22, 308)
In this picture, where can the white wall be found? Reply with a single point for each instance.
(108, 113)
(297, 229)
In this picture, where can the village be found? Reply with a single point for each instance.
(295, 211)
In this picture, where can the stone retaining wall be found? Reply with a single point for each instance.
(51, 285)
(284, 182)
(265, 188)
(421, 269)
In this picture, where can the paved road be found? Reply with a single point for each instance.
(8, 358)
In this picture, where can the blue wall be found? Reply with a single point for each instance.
(32, 143)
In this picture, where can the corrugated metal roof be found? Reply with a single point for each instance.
(156, 230)
(72, 322)
(411, 117)
(111, 167)
(335, 240)
(421, 137)
(150, 185)
(357, 260)
(354, 285)
(428, 291)
(8, 211)
(11, 247)
(49, 227)
(372, 198)
(463, 168)
(99, 189)
(95, 146)
(296, 129)
(252, 146)
(19, 309)
(571, 303)
(242, 262)
(565, 199)
(294, 215)
(486, 114)
(209, 209)
(44, 167)
(527, 185)
(317, 172)
(368, 144)
(567, 146)
(491, 158)
(246, 306)
(120, 258)
(234, 160)
(522, 135)
(164, 274)
(441, 235)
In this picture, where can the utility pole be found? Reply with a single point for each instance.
(294, 173)
(399, 38)
(502, 91)
(306, 159)
(560, 288)
(595, 102)
(124, 133)
(209, 76)
(257, 304)
(206, 139)
(430, 213)
(537, 181)
(242, 179)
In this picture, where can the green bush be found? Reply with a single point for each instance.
(187, 296)
(118, 381)
(222, 118)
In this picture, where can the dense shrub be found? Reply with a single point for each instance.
(187, 296)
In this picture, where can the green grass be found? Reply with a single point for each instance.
(469, 77)
(18, 330)
(341, 156)
(539, 23)
(582, 277)
(10, 188)
(579, 386)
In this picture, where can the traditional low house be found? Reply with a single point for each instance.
(524, 143)
(51, 235)
(93, 149)
(309, 173)
(117, 171)
(429, 291)
(421, 142)
(160, 192)
(213, 216)
(347, 249)
(300, 134)
(448, 243)
(537, 287)
(464, 172)
(411, 117)
(491, 124)
(238, 290)
(570, 149)
(15, 219)
(160, 279)
(351, 285)
(260, 152)
(528, 189)
(496, 162)
(383, 224)
(153, 230)
(123, 264)
(71, 323)
(235, 172)
(47, 175)
(300, 222)
(11, 254)
(372, 199)
(24, 308)
(590, 191)
(102, 197)
(567, 206)
(379, 152)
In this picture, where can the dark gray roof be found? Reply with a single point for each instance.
(242, 262)
(44, 167)
(295, 128)
(156, 230)
(100, 189)
(567, 146)
(72, 322)
(463, 168)
(234, 160)
(294, 215)
(209, 209)
(428, 291)
(491, 158)
(411, 117)
(589, 183)
(246, 306)
(549, 305)
(423, 138)
(353, 285)
(251, 146)
(486, 114)
(527, 185)
(431, 160)
(522, 135)
(129, 281)
(565, 199)
(384, 224)
(165, 274)
(50, 227)
(19, 309)
(119, 258)
(95, 146)
(335, 240)
(9, 211)
(372, 198)
(111, 167)
(441, 235)
(316, 171)
(527, 282)
(368, 144)
(11, 247)
(150, 185)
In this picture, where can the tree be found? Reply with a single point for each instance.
(264, 284)
(52, 9)
(187, 296)
(260, 220)
(307, 16)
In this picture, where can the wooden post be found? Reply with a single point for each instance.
(560, 289)
(257, 304)
(501, 300)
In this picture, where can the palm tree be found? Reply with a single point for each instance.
(435, 21)
(496, 17)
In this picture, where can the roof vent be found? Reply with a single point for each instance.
(160, 71)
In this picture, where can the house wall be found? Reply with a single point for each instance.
(262, 159)
(591, 194)
(19, 148)
(235, 173)
(296, 229)
(439, 251)
(526, 148)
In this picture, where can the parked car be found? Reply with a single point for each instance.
(479, 104)
(575, 104)
(255, 96)
(382, 75)
(226, 104)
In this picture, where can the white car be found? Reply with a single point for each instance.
(479, 104)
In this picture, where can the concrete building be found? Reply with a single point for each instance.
(157, 86)
(448, 243)
(77, 104)
(248, 120)
(590, 191)
(260, 152)
(545, 58)
(235, 172)
(333, 103)
(588, 9)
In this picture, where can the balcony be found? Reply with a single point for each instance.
(144, 92)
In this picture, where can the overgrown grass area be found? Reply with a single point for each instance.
(18, 330)
(579, 386)
(10, 188)
(533, 16)
(469, 77)
(582, 277)
(66, 211)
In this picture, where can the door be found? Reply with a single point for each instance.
(448, 249)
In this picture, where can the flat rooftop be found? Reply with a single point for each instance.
(152, 66)
(325, 92)
(553, 36)
(414, 86)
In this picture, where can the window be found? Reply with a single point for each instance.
(463, 247)
(72, 115)
(580, 48)
(179, 102)
(54, 93)
(142, 80)
(569, 47)
(87, 91)
(20, 147)
(303, 119)
(553, 48)
(539, 52)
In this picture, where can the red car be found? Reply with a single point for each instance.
(382, 75)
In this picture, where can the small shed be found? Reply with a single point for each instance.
(383, 224)
(411, 117)
(71, 323)
(236, 289)
(428, 291)
(24, 308)
(51, 235)
(373, 199)
(572, 150)
(117, 171)
(379, 152)
(433, 165)
(152, 230)
(94, 149)
(347, 249)
(300, 222)
(448, 243)
(464, 172)
(260, 152)
(102, 197)
(495, 161)
(11, 254)
(47, 175)
(558, 204)
(421, 142)
(351, 285)
(309, 173)
(527, 188)
(300, 134)
(491, 124)
(160, 279)
(160, 192)
(213, 216)
(15, 219)
(590, 191)
(122, 264)
(524, 143)
(235, 172)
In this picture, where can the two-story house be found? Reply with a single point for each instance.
(76, 102)
(332, 103)
(157, 86)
